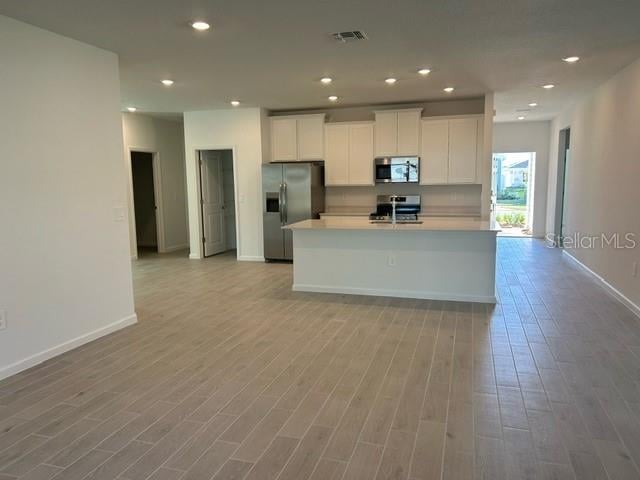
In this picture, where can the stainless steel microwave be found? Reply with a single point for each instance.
(397, 169)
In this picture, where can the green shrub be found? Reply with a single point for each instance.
(511, 219)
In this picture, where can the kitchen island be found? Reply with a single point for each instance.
(438, 259)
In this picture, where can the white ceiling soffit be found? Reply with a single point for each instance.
(273, 53)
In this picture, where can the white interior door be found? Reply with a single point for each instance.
(211, 179)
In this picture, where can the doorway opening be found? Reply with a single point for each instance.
(217, 201)
(562, 184)
(513, 185)
(145, 204)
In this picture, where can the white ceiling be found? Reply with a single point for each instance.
(271, 53)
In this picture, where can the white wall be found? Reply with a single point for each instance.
(229, 199)
(65, 268)
(485, 165)
(515, 137)
(604, 173)
(238, 129)
(166, 138)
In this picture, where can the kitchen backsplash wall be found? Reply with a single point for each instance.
(435, 199)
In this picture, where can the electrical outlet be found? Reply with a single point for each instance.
(392, 260)
(634, 271)
(3, 319)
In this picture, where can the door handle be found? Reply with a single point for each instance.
(284, 203)
(281, 205)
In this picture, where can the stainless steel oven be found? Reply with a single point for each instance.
(397, 169)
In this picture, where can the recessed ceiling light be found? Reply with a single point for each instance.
(449, 89)
(548, 86)
(390, 81)
(326, 80)
(235, 103)
(167, 82)
(424, 71)
(571, 59)
(333, 98)
(201, 26)
(520, 117)
(132, 109)
(533, 104)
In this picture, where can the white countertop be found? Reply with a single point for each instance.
(443, 224)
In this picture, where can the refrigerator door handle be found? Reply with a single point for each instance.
(281, 205)
(284, 203)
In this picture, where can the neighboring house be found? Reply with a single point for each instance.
(510, 175)
(516, 175)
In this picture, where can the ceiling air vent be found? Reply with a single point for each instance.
(349, 36)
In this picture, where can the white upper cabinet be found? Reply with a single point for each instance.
(451, 150)
(336, 162)
(284, 144)
(434, 158)
(463, 150)
(310, 137)
(409, 132)
(386, 133)
(297, 137)
(361, 154)
(349, 154)
(397, 132)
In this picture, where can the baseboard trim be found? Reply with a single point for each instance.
(250, 258)
(38, 358)
(453, 297)
(194, 256)
(610, 289)
(175, 248)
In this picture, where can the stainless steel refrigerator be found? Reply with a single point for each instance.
(291, 192)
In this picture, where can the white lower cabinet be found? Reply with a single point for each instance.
(349, 154)
(450, 151)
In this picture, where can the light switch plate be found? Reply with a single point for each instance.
(3, 319)
(118, 214)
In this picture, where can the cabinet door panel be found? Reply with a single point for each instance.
(283, 139)
(386, 136)
(463, 143)
(434, 156)
(408, 133)
(480, 160)
(361, 155)
(311, 138)
(336, 163)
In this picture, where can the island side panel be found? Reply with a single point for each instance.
(449, 265)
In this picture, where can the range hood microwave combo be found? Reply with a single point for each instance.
(397, 169)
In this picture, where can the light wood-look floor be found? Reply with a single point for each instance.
(230, 375)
